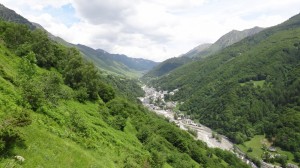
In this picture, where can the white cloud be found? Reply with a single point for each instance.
(28, 6)
(100, 12)
(154, 29)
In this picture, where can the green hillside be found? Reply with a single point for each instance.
(249, 88)
(58, 110)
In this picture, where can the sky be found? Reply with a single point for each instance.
(151, 29)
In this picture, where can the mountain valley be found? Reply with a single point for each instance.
(233, 103)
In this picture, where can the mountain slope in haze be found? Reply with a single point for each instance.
(165, 67)
(199, 52)
(195, 51)
(119, 64)
(251, 87)
(172, 63)
(58, 110)
(110, 63)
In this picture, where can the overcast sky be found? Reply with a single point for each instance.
(151, 29)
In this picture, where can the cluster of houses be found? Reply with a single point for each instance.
(155, 100)
(185, 119)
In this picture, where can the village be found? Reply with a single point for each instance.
(155, 101)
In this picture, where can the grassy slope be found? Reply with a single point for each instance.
(51, 143)
(256, 143)
(255, 83)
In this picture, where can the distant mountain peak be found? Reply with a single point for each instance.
(236, 35)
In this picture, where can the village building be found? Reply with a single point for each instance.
(272, 149)
(188, 121)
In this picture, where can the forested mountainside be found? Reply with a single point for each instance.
(200, 52)
(57, 109)
(110, 63)
(249, 88)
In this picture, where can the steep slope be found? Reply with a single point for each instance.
(251, 87)
(57, 110)
(110, 63)
(199, 52)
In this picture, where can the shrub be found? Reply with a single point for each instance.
(9, 138)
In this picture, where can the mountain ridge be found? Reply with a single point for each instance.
(200, 52)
